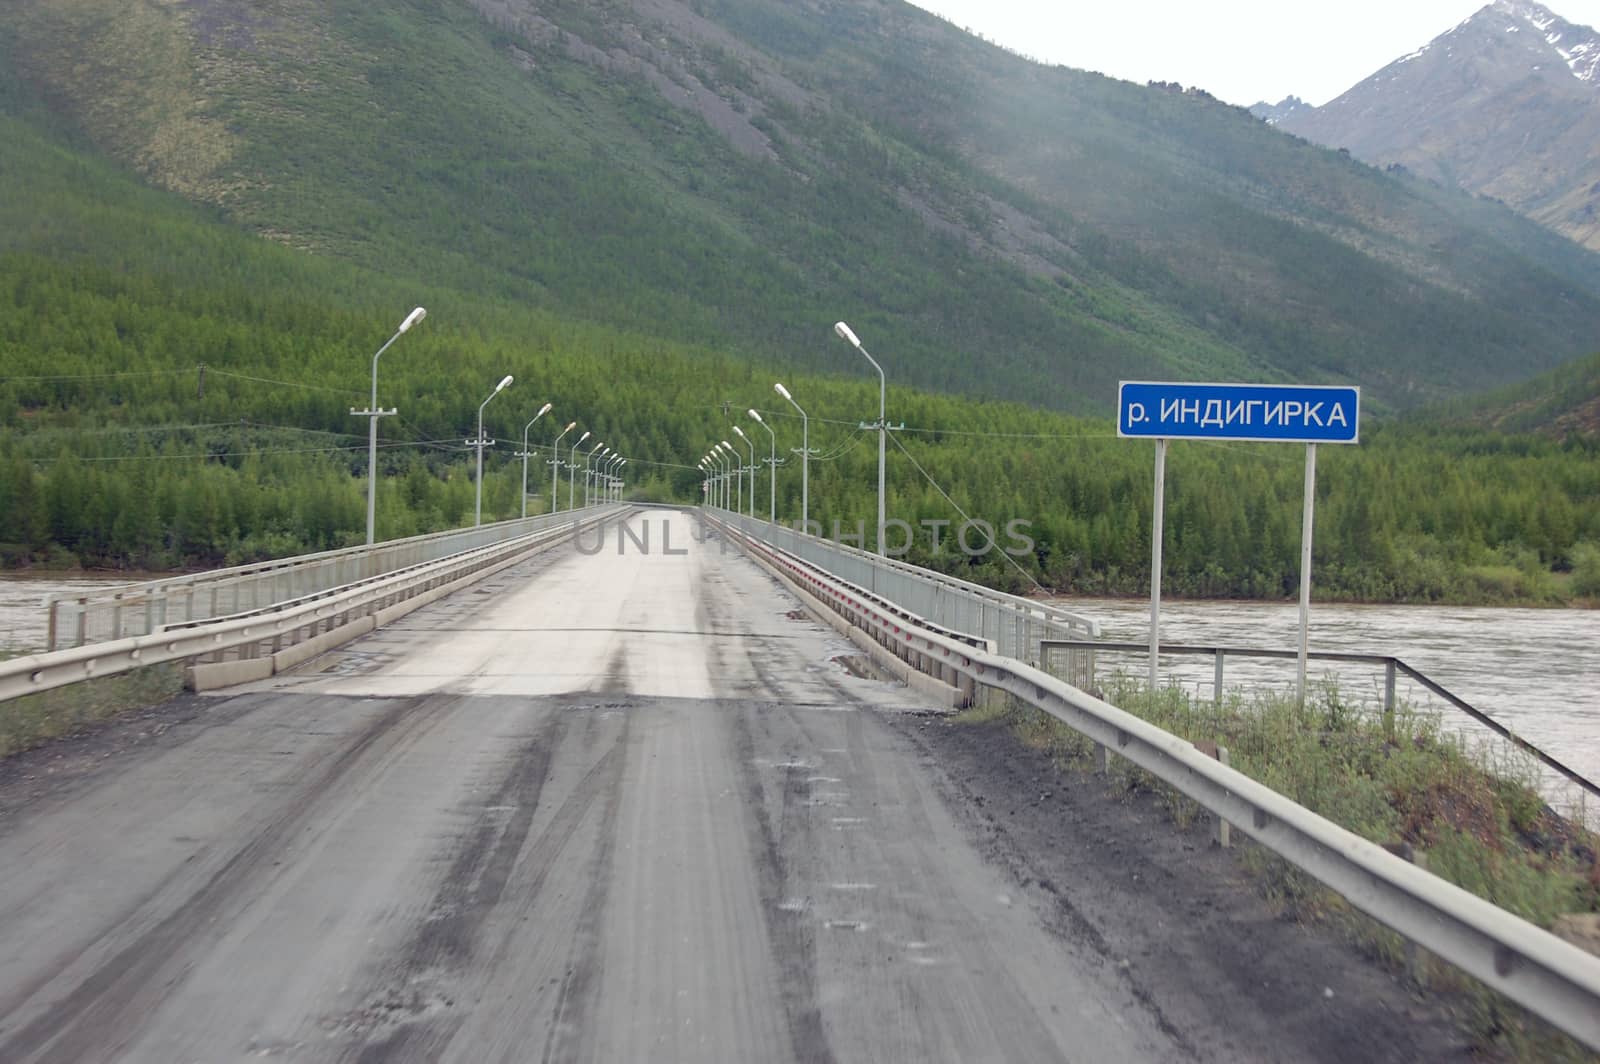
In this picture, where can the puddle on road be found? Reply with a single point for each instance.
(858, 666)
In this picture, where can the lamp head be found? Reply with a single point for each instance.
(543, 410)
(740, 431)
(756, 414)
(412, 318)
(585, 436)
(781, 390)
(505, 382)
(846, 334)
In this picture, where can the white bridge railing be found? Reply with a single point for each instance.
(257, 641)
(139, 609)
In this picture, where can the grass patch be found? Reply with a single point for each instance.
(31, 720)
(1471, 816)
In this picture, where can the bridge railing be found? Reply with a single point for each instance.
(258, 642)
(76, 620)
(1015, 625)
(1549, 977)
(1562, 785)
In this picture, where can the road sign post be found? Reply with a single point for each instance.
(1256, 413)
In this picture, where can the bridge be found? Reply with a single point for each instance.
(648, 783)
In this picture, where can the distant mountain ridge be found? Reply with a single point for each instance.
(1275, 113)
(1506, 104)
(742, 173)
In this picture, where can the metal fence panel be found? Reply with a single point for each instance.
(139, 609)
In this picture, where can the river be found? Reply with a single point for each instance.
(1535, 671)
(23, 621)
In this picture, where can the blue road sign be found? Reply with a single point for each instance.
(1256, 412)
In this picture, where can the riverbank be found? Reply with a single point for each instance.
(1410, 786)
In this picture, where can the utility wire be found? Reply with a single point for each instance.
(963, 513)
(287, 384)
(231, 454)
(95, 376)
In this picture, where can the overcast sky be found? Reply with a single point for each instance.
(1239, 50)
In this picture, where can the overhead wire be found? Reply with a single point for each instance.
(964, 515)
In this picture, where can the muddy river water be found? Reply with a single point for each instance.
(1536, 671)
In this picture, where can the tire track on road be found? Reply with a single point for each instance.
(416, 1013)
(105, 1011)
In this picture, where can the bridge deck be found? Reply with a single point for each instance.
(602, 807)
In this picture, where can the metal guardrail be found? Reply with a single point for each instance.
(1393, 668)
(140, 609)
(1549, 977)
(1014, 624)
(269, 632)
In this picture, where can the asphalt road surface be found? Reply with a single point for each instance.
(599, 807)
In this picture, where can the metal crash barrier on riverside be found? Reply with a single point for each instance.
(1549, 977)
(140, 609)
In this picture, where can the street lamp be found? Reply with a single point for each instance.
(480, 443)
(572, 470)
(714, 467)
(523, 454)
(618, 485)
(772, 460)
(849, 337)
(725, 468)
(613, 481)
(805, 459)
(555, 463)
(373, 412)
(589, 460)
(737, 464)
(750, 444)
(591, 473)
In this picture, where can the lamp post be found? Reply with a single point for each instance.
(614, 478)
(721, 450)
(373, 412)
(705, 481)
(591, 474)
(750, 444)
(588, 473)
(737, 462)
(523, 454)
(572, 470)
(849, 337)
(714, 469)
(805, 459)
(480, 442)
(555, 463)
(772, 461)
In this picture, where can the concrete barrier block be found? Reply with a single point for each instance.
(211, 676)
(285, 660)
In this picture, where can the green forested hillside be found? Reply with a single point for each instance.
(1561, 403)
(112, 296)
(652, 318)
(733, 174)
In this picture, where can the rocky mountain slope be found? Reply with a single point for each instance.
(1506, 104)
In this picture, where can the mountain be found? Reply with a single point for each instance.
(1506, 104)
(1562, 403)
(1274, 113)
(739, 174)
